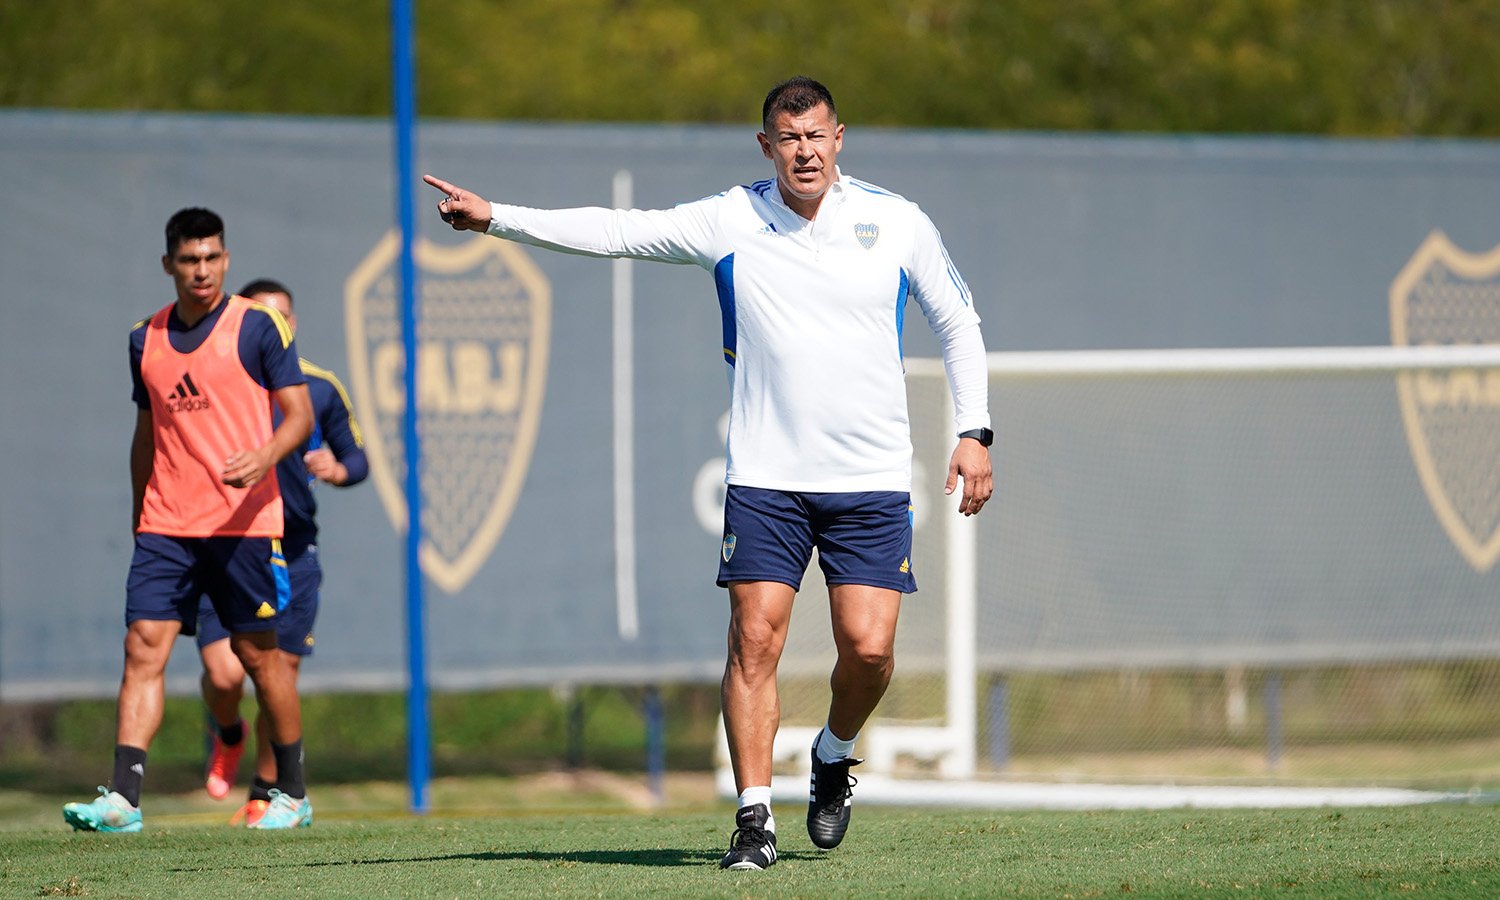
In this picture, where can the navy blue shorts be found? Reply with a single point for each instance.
(862, 537)
(294, 626)
(244, 577)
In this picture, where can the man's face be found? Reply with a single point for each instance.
(197, 267)
(281, 303)
(804, 148)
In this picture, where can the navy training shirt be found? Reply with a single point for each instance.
(272, 365)
(334, 427)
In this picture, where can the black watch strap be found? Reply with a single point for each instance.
(984, 436)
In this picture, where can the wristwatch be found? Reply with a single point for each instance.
(984, 436)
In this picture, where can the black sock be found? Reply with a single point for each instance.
(260, 789)
(130, 771)
(289, 779)
(230, 735)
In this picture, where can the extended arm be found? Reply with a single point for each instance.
(683, 234)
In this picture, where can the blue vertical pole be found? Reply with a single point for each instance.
(656, 745)
(418, 760)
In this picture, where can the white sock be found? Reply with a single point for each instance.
(832, 748)
(753, 795)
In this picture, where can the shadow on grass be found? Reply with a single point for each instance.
(654, 858)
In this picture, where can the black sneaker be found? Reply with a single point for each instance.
(829, 799)
(752, 846)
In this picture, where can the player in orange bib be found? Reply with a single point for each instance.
(207, 510)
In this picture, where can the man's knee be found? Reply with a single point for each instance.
(754, 642)
(874, 658)
(148, 644)
(225, 680)
(222, 670)
(256, 651)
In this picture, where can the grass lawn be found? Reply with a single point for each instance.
(508, 838)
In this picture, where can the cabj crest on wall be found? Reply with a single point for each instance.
(483, 342)
(1444, 295)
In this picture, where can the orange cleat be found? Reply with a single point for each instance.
(223, 768)
(250, 813)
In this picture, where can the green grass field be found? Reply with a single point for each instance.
(585, 841)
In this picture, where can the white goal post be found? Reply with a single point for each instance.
(945, 737)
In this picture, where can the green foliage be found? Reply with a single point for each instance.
(1416, 725)
(1345, 67)
(357, 737)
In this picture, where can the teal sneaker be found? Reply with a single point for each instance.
(284, 812)
(107, 812)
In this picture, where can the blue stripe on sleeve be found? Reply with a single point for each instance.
(958, 282)
(901, 295)
(724, 284)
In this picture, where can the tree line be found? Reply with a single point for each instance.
(1324, 67)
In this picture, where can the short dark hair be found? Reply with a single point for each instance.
(266, 286)
(191, 224)
(796, 95)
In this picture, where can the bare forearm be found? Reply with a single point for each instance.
(296, 422)
(289, 435)
(142, 449)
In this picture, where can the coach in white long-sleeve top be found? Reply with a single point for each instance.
(813, 271)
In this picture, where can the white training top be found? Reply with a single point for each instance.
(812, 315)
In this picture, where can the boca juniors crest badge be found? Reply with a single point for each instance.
(481, 370)
(867, 234)
(1446, 296)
